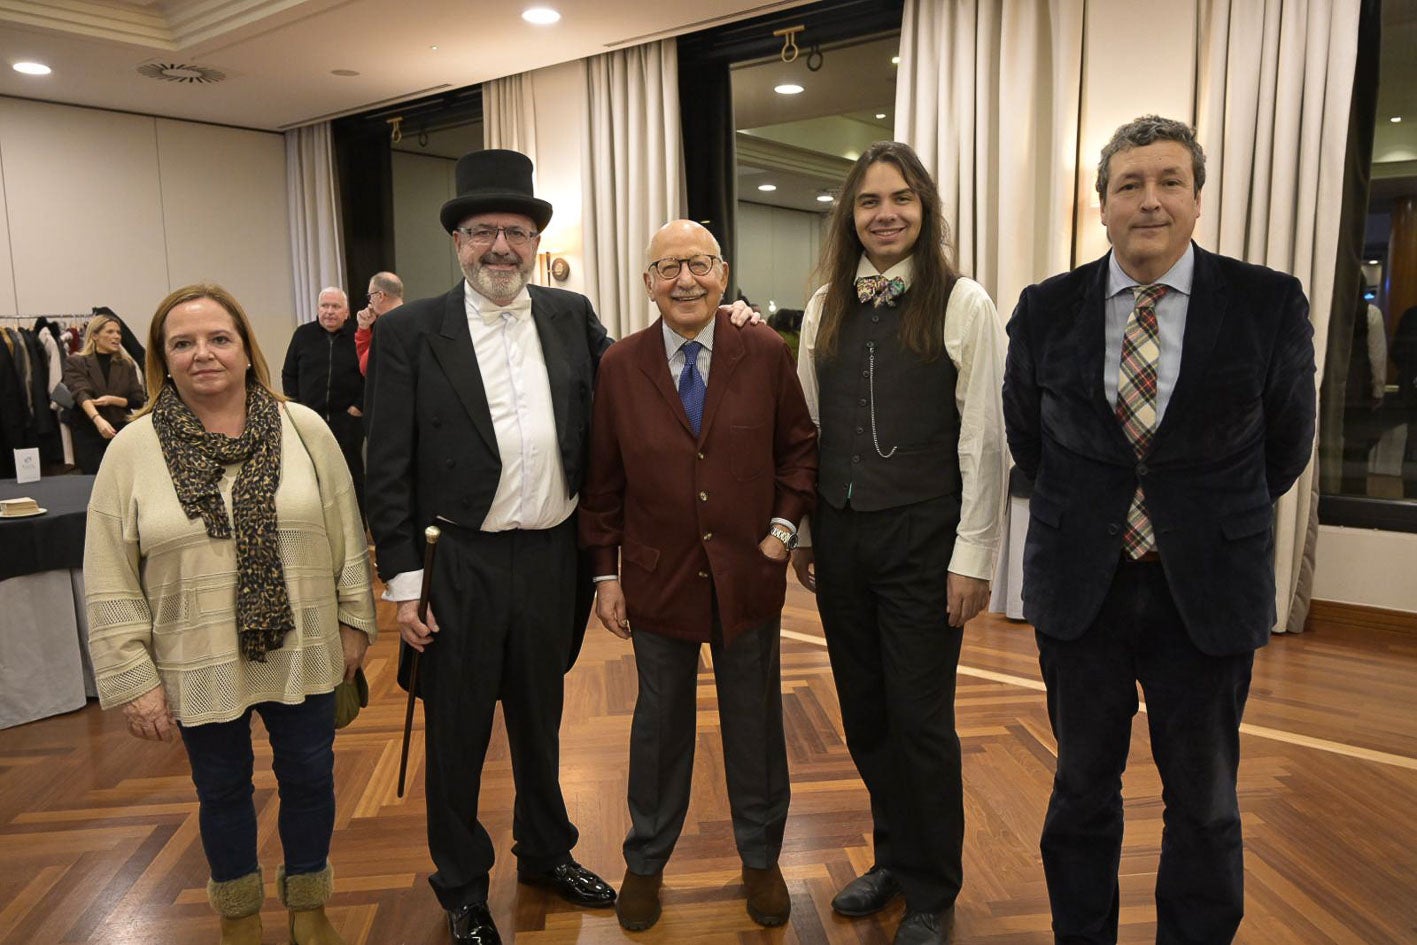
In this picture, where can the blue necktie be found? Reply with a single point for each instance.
(691, 385)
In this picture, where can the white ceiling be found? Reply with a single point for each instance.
(279, 56)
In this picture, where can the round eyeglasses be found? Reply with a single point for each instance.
(669, 266)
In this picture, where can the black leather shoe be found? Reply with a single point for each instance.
(925, 928)
(472, 925)
(573, 883)
(870, 892)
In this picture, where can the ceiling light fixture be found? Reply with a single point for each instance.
(32, 68)
(1395, 119)
(434, 48)
(788, 88)
(895, 60)
(767, 188)
(824, 198)
(880, 114)
(541, 16)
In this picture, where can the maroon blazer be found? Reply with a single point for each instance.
(678, 509)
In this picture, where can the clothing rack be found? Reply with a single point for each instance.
(63, 321)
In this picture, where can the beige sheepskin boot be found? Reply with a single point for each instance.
(305, 896)
(238, 902)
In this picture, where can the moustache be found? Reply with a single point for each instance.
(500, 259)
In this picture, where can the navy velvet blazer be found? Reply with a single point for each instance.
(1237, 432)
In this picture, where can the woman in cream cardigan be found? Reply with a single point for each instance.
(227, 573)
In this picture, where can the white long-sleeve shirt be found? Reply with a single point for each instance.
(976, 344)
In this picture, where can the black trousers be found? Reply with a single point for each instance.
(748, 678)
(882, 595)
(349, 433)
(1194, 704)
(89, 445)
(503, 603)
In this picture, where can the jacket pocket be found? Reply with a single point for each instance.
(1043, 509)
(1247, 523)
(641, 556)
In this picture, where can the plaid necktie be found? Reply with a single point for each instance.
(691, 385)
(1136, 404)
(878, 290)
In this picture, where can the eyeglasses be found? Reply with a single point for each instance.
(487, 235)
(669, 266)
(376, 293)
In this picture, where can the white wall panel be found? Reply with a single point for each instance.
(84, 210)
(777, 253)
(423, 252)
(226, 220)
(7, 269)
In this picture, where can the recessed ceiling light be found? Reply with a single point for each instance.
(767, 188)
(434, 48)
(32, 68)
(824, 198)
(1395, 119)
(895, 60)
(788, 88)
(880, 114)
(344, 73)
(851, 155)
(541, 16)
(1372, 262)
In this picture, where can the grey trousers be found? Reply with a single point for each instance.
(748, 678)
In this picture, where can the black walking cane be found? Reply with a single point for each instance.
(430, 535)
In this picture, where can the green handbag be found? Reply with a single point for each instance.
(350, 697)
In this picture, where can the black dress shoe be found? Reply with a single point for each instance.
(573, 883)
(868, 893)
(472, 925)
(925, 928)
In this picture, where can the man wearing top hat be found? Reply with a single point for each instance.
(479, 404)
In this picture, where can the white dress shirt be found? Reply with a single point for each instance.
(976, 344)
(532, 491)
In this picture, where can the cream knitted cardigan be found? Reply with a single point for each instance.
(162, 593)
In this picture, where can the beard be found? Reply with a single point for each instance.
(500, 287)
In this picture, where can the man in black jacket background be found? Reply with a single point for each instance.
(322, 372)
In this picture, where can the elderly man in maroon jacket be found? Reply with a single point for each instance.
(703, 460)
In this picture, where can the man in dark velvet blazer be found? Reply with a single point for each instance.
(479, 407)
(1161, 398)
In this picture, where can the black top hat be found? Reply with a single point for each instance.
(491, 181)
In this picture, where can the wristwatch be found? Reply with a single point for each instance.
(788, 538)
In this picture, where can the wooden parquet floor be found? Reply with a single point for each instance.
(99, 841)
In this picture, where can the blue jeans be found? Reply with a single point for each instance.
(302, 742)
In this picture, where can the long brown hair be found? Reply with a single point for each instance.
(155, 372)
(932, 272)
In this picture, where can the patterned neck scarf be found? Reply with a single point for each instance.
(196, 460)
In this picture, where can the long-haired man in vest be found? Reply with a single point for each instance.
(901, 360)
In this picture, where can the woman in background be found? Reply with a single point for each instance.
(105, 385)
(227, 573)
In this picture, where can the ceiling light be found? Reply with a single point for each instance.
(880, 114)
(767, 188)
(824, 198)
(1372, 262)
(434, 48)
(788, 88)
(895, 60)
(541, 16)
(852, 155)
(1395, 119)
(32, 68)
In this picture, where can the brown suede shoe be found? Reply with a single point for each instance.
(768, 901)
(637, 906)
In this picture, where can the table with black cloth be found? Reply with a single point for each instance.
(44, 660)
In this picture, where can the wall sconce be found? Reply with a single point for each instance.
(554, 268)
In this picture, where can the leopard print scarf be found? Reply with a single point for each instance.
(196, 460)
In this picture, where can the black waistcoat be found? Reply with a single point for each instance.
(915, 414)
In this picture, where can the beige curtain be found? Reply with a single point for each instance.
(1273, 84)
(633, 176)
(509, 114)
(316, 246)
(988, 94)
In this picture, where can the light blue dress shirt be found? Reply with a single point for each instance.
(1170, 324)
